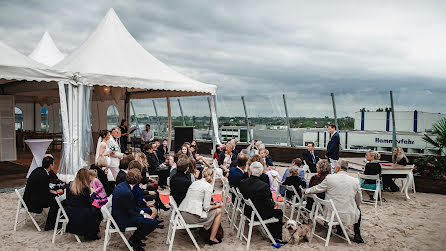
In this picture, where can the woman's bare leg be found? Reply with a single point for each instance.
(215, 225)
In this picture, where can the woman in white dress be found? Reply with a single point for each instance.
(102, 149)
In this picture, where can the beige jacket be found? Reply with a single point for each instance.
(345, 192)
(198, 199)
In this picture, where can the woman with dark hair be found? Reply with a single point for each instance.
(162, 151)
(124, 135)
(84, 217)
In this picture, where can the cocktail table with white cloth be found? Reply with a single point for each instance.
(38, 148)
(387, 168)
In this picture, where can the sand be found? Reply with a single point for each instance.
(417, 224)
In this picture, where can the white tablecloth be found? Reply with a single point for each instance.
(38, 148)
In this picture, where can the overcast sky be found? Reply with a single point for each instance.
(263, 49)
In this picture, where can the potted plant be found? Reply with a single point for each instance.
(431, 170)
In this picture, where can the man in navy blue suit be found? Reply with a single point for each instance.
(127, 214)
(236, 173)
(333, 146)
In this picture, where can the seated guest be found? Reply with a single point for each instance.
(123, 169)
(196, 207)
(255, 189)
(323, 168)
(227, 159)
(127, 214)
(295, 163)
(295, 181)
(162, 151)
(152, 159)
(265, 155)
(311, 157)
(398, 157)
(371, 168)
(55, 182)
(98, 188)
(220, 147)
(180, 182)
(236, 173)
(254, 147)
(234, 146)
(345, 192)
(84, 217)
(102, 171)
(37, 194)
(257, 158)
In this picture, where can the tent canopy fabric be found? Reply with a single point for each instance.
(112, 57)
(46, 51)
(15, 66)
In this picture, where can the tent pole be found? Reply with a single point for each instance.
(214, 121)
(66, 133)
(157, 118)
(334, 110)
(248, 135)
(181, 110)
(287, 121)
(169, 124)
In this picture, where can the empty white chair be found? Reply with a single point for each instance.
(376, 191)
(62, 217)
(301, 205)
(235, 209)
(21, 205)
(331, 217)
(177, 222)
(112, 227)
(252, 222)
(294, 202)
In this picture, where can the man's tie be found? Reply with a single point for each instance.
(314, 158)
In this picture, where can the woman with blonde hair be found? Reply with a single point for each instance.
(399, 157)
(84, 217)
(373, 167)
(197, 208)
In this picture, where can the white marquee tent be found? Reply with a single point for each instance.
(109, 65)
(46, 51)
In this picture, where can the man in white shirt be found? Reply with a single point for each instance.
(115, 155)
(345, 192)
(146, 136)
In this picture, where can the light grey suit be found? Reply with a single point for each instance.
(345, 192)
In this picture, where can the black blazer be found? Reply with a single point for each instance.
(309, 160)
(259, 192)
(179, 184)
(153, 162)
(221, 159)
(37, 191)
(120, 177)
(108, 186)
(333, 147)
(294, 181)
(372, 168)
(161, 153)
(124, 208)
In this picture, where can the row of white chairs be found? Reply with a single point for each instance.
(62, 217)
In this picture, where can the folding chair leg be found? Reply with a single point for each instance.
(17, 216)
(174, 229)
(248, 241)
(34, 221)
(56, 226)
(77, 238)
(343, 230)
(106, 237)
(330, 228)
(125, 240)
(193, 238)
(413, 186)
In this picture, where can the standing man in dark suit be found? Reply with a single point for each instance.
(37, 194)
(333, 147)
(127, 214)
(260, 194)
(311, 157)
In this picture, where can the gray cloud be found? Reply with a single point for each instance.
(264, 49)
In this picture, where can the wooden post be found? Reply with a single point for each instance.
(169, 124)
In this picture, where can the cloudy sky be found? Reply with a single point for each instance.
(263, 49)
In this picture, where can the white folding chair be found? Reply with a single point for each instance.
(301, 205)
(252, 222)
(377, 191)
(308, 173)
(21, 205)
(331, 218)
(177, 222)
(62, 217)
(228, 204)
(235, 209)
(240, 210)
(112, 227)
(294, 202)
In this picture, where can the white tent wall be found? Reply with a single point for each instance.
(7, 129)
(53, 113)
(28, 115)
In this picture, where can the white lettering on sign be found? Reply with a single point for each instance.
(389, 141)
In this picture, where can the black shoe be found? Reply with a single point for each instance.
(160, 221)
(281, 242)
(163, 207)
(49, 228)
(92, 237)
(211, 242)
(358, 239)
(160, 226)
(136, 245)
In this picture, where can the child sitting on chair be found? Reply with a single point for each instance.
(371, 168)
(295, 181)
(96, 185)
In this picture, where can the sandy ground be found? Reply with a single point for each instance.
(417, 224)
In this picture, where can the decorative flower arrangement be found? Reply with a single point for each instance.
(433, 166)
(114, 148)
